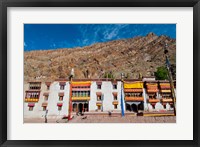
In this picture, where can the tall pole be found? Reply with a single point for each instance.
(70, 94)
(170, 78)
(70, 98)
(122, 98)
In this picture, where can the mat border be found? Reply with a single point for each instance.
(4, 4)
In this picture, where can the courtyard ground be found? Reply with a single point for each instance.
(106, 119)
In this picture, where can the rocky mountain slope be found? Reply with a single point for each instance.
(130, 56)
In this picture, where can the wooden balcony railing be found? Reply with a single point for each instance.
(133, 90)
(166, 100)
(80, 89)
(134, 99)
(99, 103)
(165, 91)
(115, 102)
(152, 90)
(80, 98)
(153, 100)
(31, 99)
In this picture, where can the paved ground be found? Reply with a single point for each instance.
(107, 119)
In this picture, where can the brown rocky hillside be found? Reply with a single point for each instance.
(130, 56)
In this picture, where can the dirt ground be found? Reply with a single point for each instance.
(106, 119)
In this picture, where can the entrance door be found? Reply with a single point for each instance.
(141, 106)
(74, 107)
(134, 108)
(128, 107)
(86, 107)
(80, 107)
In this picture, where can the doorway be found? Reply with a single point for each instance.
(80, 107)
(134, 108)
(128, 107)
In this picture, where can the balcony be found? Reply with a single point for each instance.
(134, 99)
(152, 90)
(31, 99)
(165, 91)
(166, 100)
(150, 86)
(80, 98)
(80, 89)
(99, 103)
(153, 100)
(115, 102)
(165, 86)
(134, 90)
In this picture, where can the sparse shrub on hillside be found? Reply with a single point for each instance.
(109, 75)
(161, 73)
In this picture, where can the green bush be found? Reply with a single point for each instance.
(161, 73)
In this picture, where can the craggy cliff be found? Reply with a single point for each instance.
(130, 56)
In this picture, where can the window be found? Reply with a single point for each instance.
(44, 108)
(60, 98)
(75, 93)
(152, 96)
(32, 96)
(98, 98)
(99, 107)
(62, 87)
(81, 93)
(30, 108)
(46, 98)
(84, 94)
(48, 85)
(136, 94)
(115, 86)
(115, 106)
(35, 85)
(98, 86)
(133, 94)
(166, 95)
(115, 97)
(59, 108)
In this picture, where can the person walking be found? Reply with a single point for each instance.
(46, 116)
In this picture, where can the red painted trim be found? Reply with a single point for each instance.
(98, 93)
(31, 104)
(59, 104)
(61, 94)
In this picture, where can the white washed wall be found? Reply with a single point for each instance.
(37, 109)
(106, 90)
(53, 99)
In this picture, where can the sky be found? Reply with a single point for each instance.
(54, 36)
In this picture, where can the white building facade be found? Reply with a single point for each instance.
(95, 96)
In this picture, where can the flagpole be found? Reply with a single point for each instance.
(70, 94)
(122, 97)
(170, 78)
(70, 99)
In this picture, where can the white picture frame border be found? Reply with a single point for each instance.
(181, 130)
